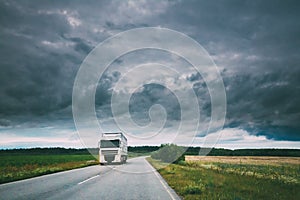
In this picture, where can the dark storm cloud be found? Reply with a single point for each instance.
(263, 104)
(266, 105)
(151, 94)
(255, 44)
(79, 44)
(4, 123)
(41, 51)
(104, 89)
(38, 62)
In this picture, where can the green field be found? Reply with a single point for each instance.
(231, 180)
(27, 163)
(16, 167)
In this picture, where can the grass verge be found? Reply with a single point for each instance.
(193, 181)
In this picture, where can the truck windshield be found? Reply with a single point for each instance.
(109, 143)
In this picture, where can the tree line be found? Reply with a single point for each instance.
(149, 149)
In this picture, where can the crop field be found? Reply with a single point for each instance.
(17, 167)
(255, 160)
(227, 177)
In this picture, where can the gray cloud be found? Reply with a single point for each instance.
(151, 94)
(254, 43)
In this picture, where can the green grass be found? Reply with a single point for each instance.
(17, 167)
(137, 154)
(230, 181)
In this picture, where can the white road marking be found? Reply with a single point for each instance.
(87, 180)
(160, 180)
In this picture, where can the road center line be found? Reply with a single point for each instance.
(88, 179)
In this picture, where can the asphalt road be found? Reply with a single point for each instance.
(136, 179)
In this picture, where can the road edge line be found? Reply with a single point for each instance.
(170, 191)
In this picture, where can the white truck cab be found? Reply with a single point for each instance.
(112, 148)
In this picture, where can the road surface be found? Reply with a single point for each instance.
(136, 179)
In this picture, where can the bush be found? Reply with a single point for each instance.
(194, 188)
(170, 153)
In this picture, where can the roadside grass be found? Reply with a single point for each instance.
(17, 167)
(196, 180)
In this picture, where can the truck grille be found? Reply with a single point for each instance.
(109, 152)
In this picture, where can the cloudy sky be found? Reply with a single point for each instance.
(254, 44)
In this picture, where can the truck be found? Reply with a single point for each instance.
(112, 148)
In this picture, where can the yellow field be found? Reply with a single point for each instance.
(254, 160)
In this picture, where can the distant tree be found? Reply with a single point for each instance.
(170, 153)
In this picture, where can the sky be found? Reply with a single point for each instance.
(254, 44)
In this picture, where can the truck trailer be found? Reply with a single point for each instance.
(112, 148)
